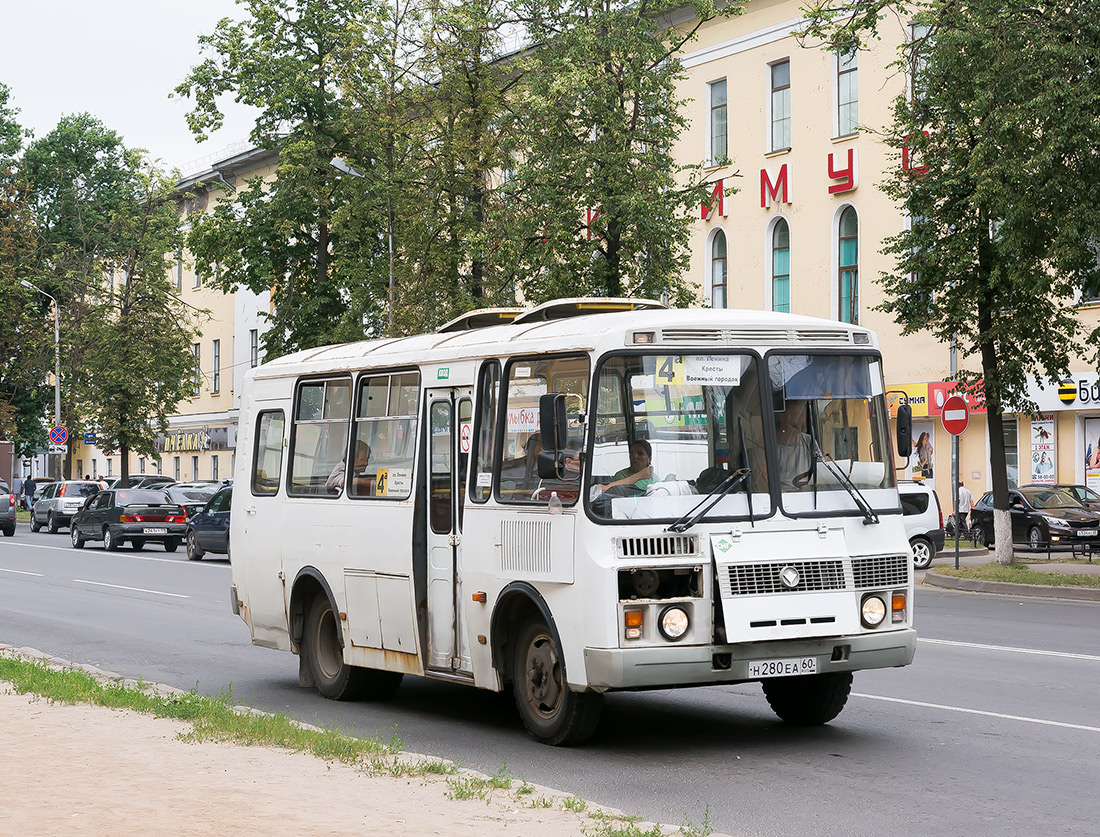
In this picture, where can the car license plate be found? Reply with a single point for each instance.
(1086, 533)
(151, 530)
(783, 668)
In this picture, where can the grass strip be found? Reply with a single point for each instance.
(1020, 573)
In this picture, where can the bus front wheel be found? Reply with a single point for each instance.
(808, 700)
(551, 711)
(334, 678)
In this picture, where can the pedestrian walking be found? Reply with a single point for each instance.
(962, 510)
(28, 493)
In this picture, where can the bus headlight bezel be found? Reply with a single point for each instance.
(674, 623)
(873, 610)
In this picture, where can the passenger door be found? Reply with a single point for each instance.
(449, 424)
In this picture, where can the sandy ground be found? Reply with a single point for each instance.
(88, 770)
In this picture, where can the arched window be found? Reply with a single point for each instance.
(781, 267)
(718, 270)
(848, 274)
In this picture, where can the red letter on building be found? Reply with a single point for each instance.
(907, 162)
(771, 191)
(850, 175)
(716, 203)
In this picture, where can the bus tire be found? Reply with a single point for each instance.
(335, 679)
(808, 700)
(551, 711)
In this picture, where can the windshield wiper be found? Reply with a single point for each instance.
(869, 515)
(725, 487)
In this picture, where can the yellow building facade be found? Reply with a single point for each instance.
(792, 128)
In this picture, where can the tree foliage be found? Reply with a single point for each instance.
(1002, 186)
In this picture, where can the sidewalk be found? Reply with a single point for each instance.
(976, 557)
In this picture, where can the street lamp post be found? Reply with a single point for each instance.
(56, 362)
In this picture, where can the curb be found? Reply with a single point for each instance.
(1008, 588)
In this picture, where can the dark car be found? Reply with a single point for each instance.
(137, 515)
(192, 499)
(1041, 516)
(1083, 495)
(148, 481)
(208, 531)
(9, 503)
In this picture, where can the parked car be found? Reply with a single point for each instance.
(9, 505)
(192, 499)
(147, 481)
(59, 502)
(109, 482)
(208, 531)
(923, 519)
(137, 515)
(1083, 495)
(1041, 515)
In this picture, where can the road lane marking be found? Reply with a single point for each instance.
(981, 647)
(135, 589)
(20, 572)
(128, 554)
(964, 710)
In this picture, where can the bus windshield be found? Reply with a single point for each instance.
(670, 428)
(831, 432)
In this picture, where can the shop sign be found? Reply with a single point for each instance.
(917, 395)
(193, 440)
(940, 391)
(1080, 391)
(1042, 451)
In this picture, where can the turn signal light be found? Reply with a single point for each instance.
(897, 606)
(633, 618)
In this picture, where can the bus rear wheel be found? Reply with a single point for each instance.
(551, 711)
(808, 700)
(334, 678)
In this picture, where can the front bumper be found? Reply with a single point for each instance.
(631, 668)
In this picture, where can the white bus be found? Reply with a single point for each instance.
(593, 495)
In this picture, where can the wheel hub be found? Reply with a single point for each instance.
(544, 676)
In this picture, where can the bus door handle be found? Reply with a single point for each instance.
(250, 510)
(455, 539)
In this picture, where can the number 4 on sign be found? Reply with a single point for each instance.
(670, 369)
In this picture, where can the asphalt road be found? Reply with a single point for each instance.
(994, 729)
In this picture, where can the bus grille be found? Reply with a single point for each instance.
(763, 579)
(660, 546)
(881, 571)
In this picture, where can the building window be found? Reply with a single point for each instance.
(847, 88)
(719, 146)
(918, 49)
(848, 274)
(194, 467)
(179, 271)
(781, 267)
(110, 467)
(197, 281)
(214, 467)
(718, 270)
(254, 347)
(141, 464)
(95, 469)
(781, 105)
(217, 360)
(176, 468)
(197, 349)
(158, 465)
(1012, 451)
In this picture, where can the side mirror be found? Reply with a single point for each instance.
(905, 431)
(551, 465)
(553, 423)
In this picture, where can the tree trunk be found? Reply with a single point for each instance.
(124, 465)
(998, 467)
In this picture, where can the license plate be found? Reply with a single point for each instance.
(1086, 533)
(783, 668)
(149, 530)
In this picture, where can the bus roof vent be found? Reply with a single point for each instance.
(560, 309)
(481, 318)
(742, 336)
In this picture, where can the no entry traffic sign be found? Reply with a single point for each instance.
(955, 415)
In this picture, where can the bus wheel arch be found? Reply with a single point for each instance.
(517, 604)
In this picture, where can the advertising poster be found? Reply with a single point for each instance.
(1042, 451)
(1092, 453)
(923, 460)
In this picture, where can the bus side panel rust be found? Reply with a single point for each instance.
(380, 658)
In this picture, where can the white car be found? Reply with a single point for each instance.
(923, 521)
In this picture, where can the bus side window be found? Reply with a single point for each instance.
(319, 437)
(488, 399)
(267, 459)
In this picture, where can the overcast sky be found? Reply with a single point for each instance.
(118, 60)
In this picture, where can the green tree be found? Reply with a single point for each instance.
(1002, 188)
(598, 116)
(137, 363)
(26, 338)
(279, 235)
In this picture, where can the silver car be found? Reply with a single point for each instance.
(60, 501)
(9, 503)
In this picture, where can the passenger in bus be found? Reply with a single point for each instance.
(795, 446)
(639, 473)
(362, 458)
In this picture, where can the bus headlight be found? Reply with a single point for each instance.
(873, 611)
(674, 623)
